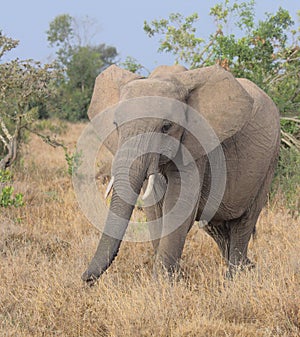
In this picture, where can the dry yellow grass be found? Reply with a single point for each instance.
(46, 245)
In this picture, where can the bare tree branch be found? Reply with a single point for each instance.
(46, 139)
(290, 140)
(292, 119)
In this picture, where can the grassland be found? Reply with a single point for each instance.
(46, 245)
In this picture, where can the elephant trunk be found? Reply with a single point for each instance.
(124, 197)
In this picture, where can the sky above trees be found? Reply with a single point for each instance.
(120, 23)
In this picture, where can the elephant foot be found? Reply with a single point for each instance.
(233, 270)
(90, 277)
(171, 273)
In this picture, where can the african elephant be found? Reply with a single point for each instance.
(246, 123)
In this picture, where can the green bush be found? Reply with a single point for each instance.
(287, 178)
(73, 160)
(7, 196)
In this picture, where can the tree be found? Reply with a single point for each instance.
(267, 52)
(60, 34)
(81, 61)
(254, 51)
(25, 85)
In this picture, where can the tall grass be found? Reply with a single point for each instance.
(46, 245)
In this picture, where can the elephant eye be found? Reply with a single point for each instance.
(166, 127)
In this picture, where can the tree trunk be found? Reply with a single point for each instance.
(11, 156)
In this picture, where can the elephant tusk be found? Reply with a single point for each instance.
(149, 187)
(109, 187)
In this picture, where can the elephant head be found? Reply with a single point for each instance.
(213, 92)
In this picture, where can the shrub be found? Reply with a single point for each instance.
(7, 196)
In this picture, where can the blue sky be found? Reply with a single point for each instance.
(120, 22)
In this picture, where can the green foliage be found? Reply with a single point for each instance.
(287, 177)
(5, 176)
(267, 52)
(255, 55)
(83, 66)
(73, 103)
(60, 30)
(290, 125)
(131, 64)
(50, 126)
(6, 44)
(26, 85)
(81, 63)
(6, 193)
(73, 160)
(179, 37)
(290, 133)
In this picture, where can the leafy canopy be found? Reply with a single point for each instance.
(80, 60)
(26, 86)
(265, 51)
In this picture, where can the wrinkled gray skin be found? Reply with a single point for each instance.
(247, 124)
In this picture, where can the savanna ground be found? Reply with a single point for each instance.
(46, 245)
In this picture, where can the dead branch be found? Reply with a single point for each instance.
(290, 141)
(46, 139)
(292, 119)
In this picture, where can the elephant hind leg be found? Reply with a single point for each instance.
(154, 214)
(219, 231)
(232, 238)
(241, 229)
(240, 232)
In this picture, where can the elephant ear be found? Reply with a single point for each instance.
(106, 94)
(219, 98)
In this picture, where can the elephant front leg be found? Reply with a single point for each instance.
(154, 216)
(179, 211)
(170, 249)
